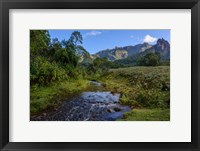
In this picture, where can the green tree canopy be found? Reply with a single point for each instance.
(39, 41)
(150, 59)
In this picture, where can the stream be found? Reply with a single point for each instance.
(95, 104)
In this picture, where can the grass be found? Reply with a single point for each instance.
(142, 88)
(48, 97)
(147, 115)
(145, 89)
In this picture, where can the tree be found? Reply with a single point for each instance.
(75, 39)
(150, 59)
(54, 46)
(39, 41)
(100, 65)
(67, 53)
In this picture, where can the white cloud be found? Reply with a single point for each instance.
(93, 33)
(149, 39)
(131, 36)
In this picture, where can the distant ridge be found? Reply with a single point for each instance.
(162, 47)
(122, 52)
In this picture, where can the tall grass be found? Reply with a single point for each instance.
(141, 88)
(48, 97)
(147, 115)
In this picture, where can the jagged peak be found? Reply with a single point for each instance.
(162, 44)
(162, 40)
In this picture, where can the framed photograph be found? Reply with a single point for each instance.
(99, 75)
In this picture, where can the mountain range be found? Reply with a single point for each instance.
(122, 52)
(131, 53)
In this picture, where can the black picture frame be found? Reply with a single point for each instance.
(5, 5)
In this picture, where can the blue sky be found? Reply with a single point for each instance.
(96, 40)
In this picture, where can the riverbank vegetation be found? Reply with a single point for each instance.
(54, 70)
(141, 88)
(147, 115)
(56, 73)
(49, 97)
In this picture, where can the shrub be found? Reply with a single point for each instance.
(147, 87)
(44, 72)
(150, 59)
(127, 101)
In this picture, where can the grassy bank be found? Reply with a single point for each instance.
(147, 115)
(48, 97)
(141, 88)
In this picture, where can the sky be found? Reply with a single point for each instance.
(97, 40)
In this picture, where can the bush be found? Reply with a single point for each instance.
(147, 87)
(44, 72)
(151, 98)
(127, 101)
(150, 59)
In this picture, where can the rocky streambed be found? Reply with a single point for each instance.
(95, 104)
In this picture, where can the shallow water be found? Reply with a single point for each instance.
(96, 104)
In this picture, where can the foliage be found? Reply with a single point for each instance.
(140, 86)
(44, 98)
(68, 55)
(150, 59)
(54, 61)
(55, 45)
(54, 69)
(99, 67)
(147, 115)
(165, 63)
(43, 71)
(39, 41)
